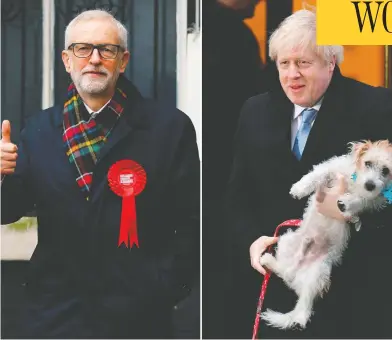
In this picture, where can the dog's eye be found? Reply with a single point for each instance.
(385, 171)
(368, 164)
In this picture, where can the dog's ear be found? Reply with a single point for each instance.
(385, 144)
(358, 149)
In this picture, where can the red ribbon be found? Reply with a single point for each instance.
(127, 179)
(288, 223)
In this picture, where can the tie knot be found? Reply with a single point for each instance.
(94, 115)
(308, 115)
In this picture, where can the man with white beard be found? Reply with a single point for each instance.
(114, 179)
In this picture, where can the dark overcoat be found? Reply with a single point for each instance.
(80, 282)
(359, 301)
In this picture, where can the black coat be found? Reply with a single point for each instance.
(359, 300)
(81, 284)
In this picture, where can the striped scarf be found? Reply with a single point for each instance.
(85, 135)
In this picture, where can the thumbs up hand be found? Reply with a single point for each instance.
(8, 150)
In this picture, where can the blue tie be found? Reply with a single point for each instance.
(308, 116)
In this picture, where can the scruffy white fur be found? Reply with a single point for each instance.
(304, 258)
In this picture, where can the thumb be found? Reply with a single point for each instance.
(6, 131)
(320, 195)
(271, 240)
(342, 183)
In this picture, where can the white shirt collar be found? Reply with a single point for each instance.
(90, 111)
(298, 109)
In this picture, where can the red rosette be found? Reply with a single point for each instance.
(127, 179)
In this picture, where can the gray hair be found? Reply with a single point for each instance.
(299, 30)
(97, 14)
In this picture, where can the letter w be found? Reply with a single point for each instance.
(361, 22)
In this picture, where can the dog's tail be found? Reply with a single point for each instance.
(285, 321)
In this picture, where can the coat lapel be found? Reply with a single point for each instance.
(281, 112)
(332, 112)
(121, 130)
(133, 118)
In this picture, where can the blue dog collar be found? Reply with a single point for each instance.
(387, 192)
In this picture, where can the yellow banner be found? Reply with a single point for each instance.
(347, 22)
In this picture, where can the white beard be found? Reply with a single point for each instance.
(95, 86)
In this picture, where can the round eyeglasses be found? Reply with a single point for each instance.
(106, 51)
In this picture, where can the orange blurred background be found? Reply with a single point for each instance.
(363, 63)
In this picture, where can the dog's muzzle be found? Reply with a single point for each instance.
(370, 186)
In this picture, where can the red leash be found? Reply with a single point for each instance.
(288, 223)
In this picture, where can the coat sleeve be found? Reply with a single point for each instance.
(16, 197)
(241, 214)
(185, 198)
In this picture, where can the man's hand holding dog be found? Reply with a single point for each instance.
(257, 248)
(327, 199)
(8, 150)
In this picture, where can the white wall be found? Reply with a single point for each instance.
(189, 69)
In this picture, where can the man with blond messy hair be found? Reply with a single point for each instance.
(114, 179)
(310, 115)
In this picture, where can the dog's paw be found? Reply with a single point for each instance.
(344, 209)
(266, 259)
(298, 190)
(341, 206)
(346, 206)
(301, 318)
(278, 320)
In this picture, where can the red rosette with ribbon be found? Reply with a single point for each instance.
(127, 179)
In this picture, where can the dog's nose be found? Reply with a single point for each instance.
(369, 185)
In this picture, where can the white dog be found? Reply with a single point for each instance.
(304, 258)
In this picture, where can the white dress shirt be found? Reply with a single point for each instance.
(90, 111)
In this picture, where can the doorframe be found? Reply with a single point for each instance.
(48, 53)
(388, 66)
